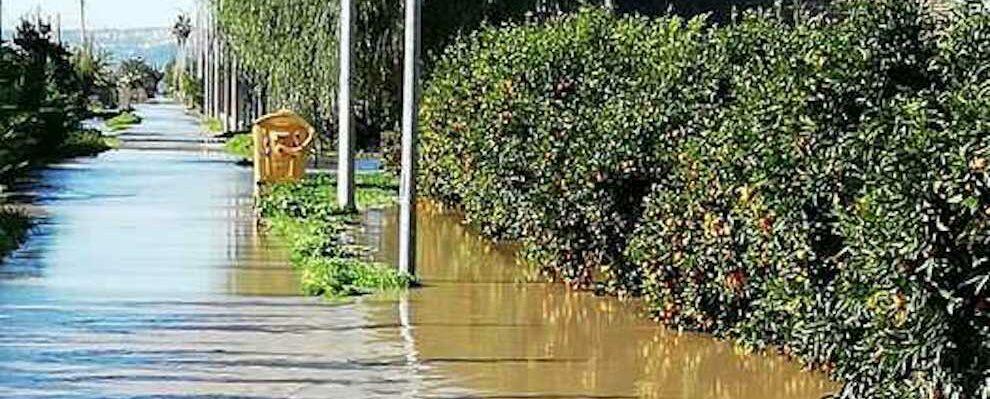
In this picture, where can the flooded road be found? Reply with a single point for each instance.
(146, 277)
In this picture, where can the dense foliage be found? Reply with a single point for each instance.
(42, 98)
(137, 81)
(98, 78)
(183, 85)
(306, 215)
(812, 181)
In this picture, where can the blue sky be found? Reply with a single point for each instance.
(100, 13)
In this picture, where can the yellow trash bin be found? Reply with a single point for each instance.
(281, 147)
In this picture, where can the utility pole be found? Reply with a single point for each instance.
(410, 121)
(233, 100)
(82, 25)
(208, 55)
(221, 83)
(345, 110)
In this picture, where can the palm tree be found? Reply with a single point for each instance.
(181, 30)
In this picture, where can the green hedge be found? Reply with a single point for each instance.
(816, 182)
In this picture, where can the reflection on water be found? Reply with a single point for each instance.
(487, 325)
(259, 263)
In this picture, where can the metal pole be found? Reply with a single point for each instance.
(208, 56)
(222, 86)
(345, 109)
(410, 111)
(232, 110)
(82, 24)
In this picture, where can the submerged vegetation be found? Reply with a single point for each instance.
(123, 121)
(306, 215)
(814, 182)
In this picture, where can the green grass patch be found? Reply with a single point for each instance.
(241, 145)
(212, 125)
(86, 143)
(123, 121)
(14, 226)
(307, 216)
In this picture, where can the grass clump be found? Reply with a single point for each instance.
(241, 145)
(86, 143)
(123, 121)
(212, 125)
(307, 216)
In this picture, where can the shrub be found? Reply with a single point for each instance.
(541, 135)
(41, 98)
(816, 183)
(86, 143)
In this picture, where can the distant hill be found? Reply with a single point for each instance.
(155, 45)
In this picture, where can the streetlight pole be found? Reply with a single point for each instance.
(345, 109)
(82, 25)
(410, 120)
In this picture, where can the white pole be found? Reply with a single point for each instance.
(233, 111)
(82, 25)
(209, 58)
(345, 109)
(410, 110)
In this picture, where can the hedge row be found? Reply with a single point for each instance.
(815, 182)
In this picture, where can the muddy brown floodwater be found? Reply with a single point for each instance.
(146, 278)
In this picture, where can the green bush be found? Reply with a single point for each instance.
(540, 135)
(41, 98)
(86, 143)
(816, 183)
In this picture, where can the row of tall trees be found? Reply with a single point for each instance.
(290, 48)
